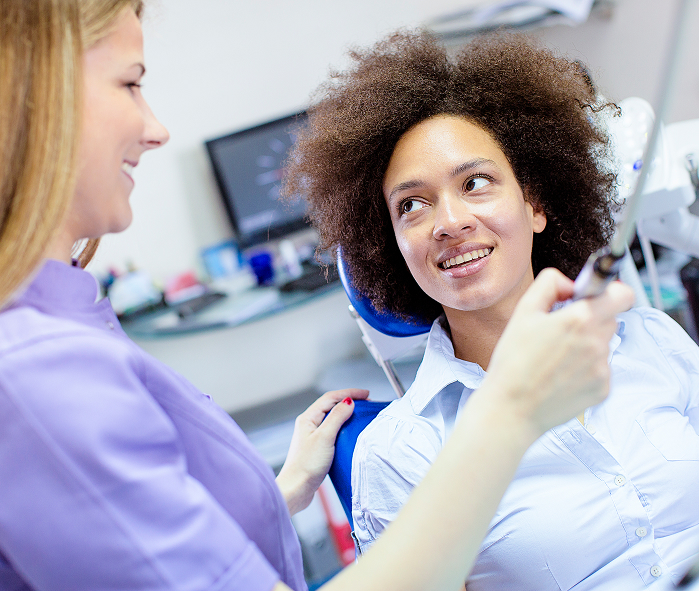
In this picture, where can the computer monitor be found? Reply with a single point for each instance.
(248, 166)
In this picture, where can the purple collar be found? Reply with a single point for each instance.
(62, 290)
(60, 286)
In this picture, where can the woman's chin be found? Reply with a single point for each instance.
(121, 224)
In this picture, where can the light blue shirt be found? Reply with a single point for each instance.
(609, 506)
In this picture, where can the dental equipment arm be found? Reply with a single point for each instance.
(603, 266)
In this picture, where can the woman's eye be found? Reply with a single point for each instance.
(476, 182)
(411, 205)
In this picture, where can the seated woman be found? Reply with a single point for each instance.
(449, 184)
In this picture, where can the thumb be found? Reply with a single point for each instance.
(615, 299)
(335, 419)
(550, 287)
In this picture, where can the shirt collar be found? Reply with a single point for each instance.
(58, 286)
(440, 367)
(616, 337)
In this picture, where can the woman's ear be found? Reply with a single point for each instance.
(538, 215)
(538, 220)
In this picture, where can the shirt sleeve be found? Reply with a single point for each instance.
(95, 490)
(390, 459)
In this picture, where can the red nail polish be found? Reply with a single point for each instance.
(347, 400)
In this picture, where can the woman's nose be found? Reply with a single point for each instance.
(452, 217)
(155, 134)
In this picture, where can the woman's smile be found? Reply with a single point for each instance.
(127, 169)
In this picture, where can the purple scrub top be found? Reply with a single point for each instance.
(117, 473)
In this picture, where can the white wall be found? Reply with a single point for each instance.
(215, 66)
(626, 53)
(267, 359)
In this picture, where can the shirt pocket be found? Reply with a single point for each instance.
(671, 433)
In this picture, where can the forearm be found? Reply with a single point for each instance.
(439, 531)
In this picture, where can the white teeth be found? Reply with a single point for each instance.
(127, 168)
(469, 256)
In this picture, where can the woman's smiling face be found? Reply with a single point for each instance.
(118, 126)
(459, 216)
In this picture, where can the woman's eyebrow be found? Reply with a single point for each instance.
(460, 169)
(405, 186)
(471, 164)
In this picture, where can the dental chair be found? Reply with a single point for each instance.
(387, 337)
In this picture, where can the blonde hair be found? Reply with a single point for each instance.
(42, 44)
(98, 17)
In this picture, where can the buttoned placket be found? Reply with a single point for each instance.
(631, 506)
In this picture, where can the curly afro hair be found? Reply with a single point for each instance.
(537, 106)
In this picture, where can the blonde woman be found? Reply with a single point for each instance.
(116, 473)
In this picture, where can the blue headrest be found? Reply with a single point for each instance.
(384, 322)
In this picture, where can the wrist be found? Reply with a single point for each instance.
(499, 405)
(294, 491)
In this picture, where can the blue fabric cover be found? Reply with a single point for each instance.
(341, 469)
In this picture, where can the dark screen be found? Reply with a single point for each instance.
(248, 169)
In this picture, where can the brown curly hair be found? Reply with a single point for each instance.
(538, 107)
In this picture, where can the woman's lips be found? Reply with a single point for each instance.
(127, 168)
(466, 269)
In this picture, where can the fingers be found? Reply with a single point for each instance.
(549, 287)
(615, 299)
(317, 411)
(600, 311)
(564, 354)
(335, 419)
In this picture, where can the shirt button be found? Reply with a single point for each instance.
(620, 480)
(641, 532)
(656, 571)
(591, 429)
(110, 325)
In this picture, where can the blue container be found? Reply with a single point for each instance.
(261, 264)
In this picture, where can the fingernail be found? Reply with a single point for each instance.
(347, 400)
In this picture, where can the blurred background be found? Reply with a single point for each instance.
(217, 66)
